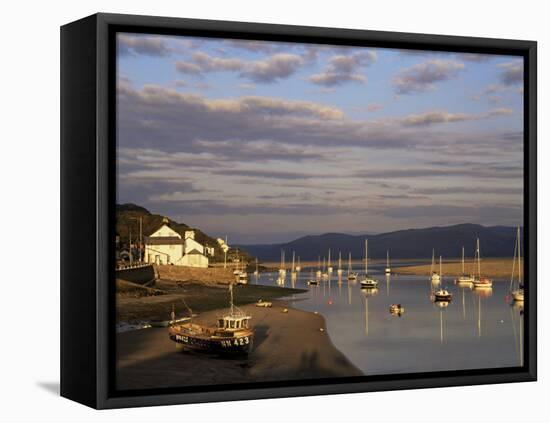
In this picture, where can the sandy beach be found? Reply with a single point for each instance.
(500, 268)
(286, 346)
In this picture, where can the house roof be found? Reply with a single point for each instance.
(195, 251)
(164, 240)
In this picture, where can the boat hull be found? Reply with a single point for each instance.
(214, 345)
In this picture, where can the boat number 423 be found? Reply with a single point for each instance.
(235, 342)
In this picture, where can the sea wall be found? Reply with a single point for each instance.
(207, 275)
(142, 275)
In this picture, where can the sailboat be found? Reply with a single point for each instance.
(256, 272)
(324, 274)
(368, 281)
(293, 273)
(481, 282)
(282, 269)
(318, 273)
(516, 287)
(435, 276)
(442, 294)
(340, 271)
(464, 278)
(329, 267)
(388, 268)
(298, 268)
(351, 276)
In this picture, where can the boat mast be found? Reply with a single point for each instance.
(463, 260)
(339, 259)
(388, 258)
(519, 258)
(433, 261)
(478, 259)
(293, 261)
(440, 272)
(328, 264)
(231, 296)
(366, 256)
(349, 263)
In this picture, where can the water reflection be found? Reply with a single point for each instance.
(475, 330)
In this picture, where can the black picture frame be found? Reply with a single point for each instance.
(88, 195)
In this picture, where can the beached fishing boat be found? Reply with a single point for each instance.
(368, 281)
(388, 268)
(351, 275)
(479, 281)
(516, 286)
(464, 278)
(232, 335)
(442, 294)
(434, 275)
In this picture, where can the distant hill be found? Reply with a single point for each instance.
(127, 220)
(495, 241)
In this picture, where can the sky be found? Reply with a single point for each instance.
(266, 141)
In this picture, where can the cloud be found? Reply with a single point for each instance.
(148, 45)
(343, 68)
(374, 107)
(430, 118)
(424, 76)
(271, 69)
(489, 213)
(471, 190)
(511, 72)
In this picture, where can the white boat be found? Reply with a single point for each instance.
(442, 294)
(434, 275)
(340, 271)
(368, 281)
(388, 268)
(318, 273)
(329, 267)
(516, 286)
(282, 269)
(324, 274)
(479, 281)
(312, 281)
(351, 276)
(293, 273)
(464, 278)
(242, 278)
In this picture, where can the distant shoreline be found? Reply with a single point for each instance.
(500, 268)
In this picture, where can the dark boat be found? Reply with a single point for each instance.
(232, 334)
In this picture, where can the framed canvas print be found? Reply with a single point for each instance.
(256, 211)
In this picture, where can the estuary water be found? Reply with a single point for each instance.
(477, 329)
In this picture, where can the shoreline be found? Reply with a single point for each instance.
(287, 346)
(499, 268)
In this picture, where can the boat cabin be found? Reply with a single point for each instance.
(233, 322)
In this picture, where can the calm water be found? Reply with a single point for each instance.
(478, 329)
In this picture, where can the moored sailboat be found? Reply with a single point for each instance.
(388, 268)
(368, 281)
(340, 271)
(442, 294)
(516, 287)
(464, 278)
(351, 275)
(479, 281)
(434, 275)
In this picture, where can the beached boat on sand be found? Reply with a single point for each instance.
(232, 335)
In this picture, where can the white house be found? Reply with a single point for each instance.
(166, 246)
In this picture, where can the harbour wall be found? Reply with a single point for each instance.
(195, 274)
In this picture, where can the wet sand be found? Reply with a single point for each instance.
(286, 346)
(500, 268)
